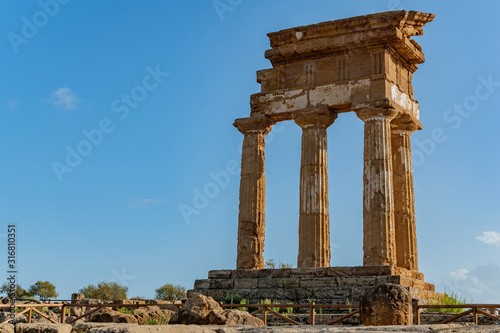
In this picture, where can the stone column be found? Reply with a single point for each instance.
(251, 220)
(378, 205)
(404, 198)
(314, 224)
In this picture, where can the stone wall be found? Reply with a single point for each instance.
(329, 285)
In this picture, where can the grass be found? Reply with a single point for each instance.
(289, 310)
(348, 302)
(162, 321)
(449, 299)
(243, 301)
(125, 311)
(268, 301)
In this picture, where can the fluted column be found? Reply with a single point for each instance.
(314, 224)
(251, 220)
(378, 205)
(404, 198)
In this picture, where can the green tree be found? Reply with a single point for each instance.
(44, 290)
(105, 290)
(170, 292)
(19, 291)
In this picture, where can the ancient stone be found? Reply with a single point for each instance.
(75, 311)
(110, 316)
(404, 198)
(6, 328)
(251, 221)
(327, 285)
(378, 206)
(76, 298)
(84, 327)
(144, 314)
(314, 223)
(387, 304)
(43, 328)
(202, 310)
(124, 318)
(363, 64)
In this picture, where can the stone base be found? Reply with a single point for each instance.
(329, 285)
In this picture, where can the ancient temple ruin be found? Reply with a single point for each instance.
(364, 65)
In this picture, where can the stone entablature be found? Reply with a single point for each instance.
(344, 65)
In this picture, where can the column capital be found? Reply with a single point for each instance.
(367, 114)
(404, 125)
(254, 124)
(320, 117)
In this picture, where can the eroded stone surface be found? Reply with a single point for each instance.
(378, 206)
(43, 328)
(251, 221)
(330, 285)
(363, 64)
(387, 304)
(202, 310)
(314, 223)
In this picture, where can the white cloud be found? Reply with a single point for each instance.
(65, 98)
(490, 237)
(144, 203)
(479, 285)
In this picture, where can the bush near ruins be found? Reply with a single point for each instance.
(169, 292)
(449, 299)
(43, 290)
(270, 264)
(105, 290)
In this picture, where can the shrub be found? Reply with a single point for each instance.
(270, 264)
(449, 299)
(105, 290)
(169, 292)
(125, 311)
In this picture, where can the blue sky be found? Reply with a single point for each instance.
(116, 212)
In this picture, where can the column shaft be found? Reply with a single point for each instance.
(251, 220)
(404, 200)
(314, 223)
(378, 205)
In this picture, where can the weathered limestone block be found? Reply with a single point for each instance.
(76, 297)
(314, 223)
(43, 328)
(6, 328)
(220, 274)
(387, 304)
(251, 221)
(202, 284)
(378, 205)
(202, 310)
(404, 197)
(84, 327)
(144, 314)
(245, 283)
